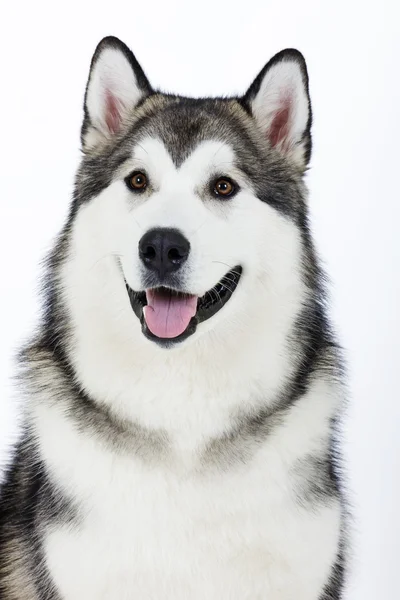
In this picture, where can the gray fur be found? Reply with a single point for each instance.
(314, 482)
(48, 379)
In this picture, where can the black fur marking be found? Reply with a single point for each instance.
(314, 481)
(335, 587)
(237, 445)
(29, 503)
(132, 438)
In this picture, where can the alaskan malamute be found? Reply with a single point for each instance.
(183, 387)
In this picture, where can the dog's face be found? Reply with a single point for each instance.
(198, 202)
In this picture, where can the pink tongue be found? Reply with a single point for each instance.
(167, 315)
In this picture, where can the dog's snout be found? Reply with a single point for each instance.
(163, 250)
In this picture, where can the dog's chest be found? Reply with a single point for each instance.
(154, 533)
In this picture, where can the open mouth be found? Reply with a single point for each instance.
(168, 316)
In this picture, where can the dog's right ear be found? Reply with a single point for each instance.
(115, 86)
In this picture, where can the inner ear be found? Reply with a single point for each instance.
(114, 109)
(278, 130)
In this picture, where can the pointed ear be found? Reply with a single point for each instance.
(279, 101)
(115, 86)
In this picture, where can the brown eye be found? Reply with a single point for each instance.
(137, 181)
(224, 187)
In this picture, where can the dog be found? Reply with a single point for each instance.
(183, 389)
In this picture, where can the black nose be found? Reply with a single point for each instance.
(163, 250)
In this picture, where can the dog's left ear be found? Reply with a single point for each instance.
(115, 86)
(279, 101)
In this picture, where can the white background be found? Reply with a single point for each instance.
(217, 47)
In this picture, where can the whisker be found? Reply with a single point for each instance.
(144, 149)
(233, 272)
(214, 289)
(219, 150)
(137, 222)
(231, 275)
(108, 255)
(221, 164)
(137, 160)
(196, 230)
(227, 287)
(222, 263)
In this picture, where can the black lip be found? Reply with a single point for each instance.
(207, 306)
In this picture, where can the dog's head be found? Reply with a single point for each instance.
(196, 204)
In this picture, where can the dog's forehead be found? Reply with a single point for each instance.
(188, 127)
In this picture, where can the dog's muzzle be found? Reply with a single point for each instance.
(169, 316)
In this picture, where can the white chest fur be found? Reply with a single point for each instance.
(174, 532)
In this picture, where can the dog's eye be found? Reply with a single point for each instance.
(137, 181)
(224, 187)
